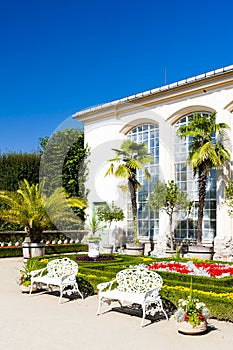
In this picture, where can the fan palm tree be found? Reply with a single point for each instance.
(34, 211)
(206, 152)
(130, 158)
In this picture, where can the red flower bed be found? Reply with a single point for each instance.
(193, 268)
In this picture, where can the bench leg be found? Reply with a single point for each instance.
(161, 307)
(107, 301)
(61, 293)
(31, 287)
(143, 314)
(77, 289)
(98, 310)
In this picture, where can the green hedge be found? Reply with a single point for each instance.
(218, 285)
(93, 272)
(6, 252)
(65, 248)
(220, 308)
(50, 249)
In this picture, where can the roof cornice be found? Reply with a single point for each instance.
(203, 83)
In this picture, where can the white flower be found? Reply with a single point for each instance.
(205, 312)
(179, 315)
(200, 305)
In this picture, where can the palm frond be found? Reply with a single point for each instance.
(122, 171)
(110, 170)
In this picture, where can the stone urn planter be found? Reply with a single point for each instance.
(200, 252)
(93, 248)
(31, 250)
(186, 327)
(107, 249)
(134, 249)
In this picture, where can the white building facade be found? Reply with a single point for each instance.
(152, 117)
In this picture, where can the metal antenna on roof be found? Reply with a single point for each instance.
(165, 76)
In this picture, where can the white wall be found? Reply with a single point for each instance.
(104, 134)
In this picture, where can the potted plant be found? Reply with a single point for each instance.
(94, 225)
(24, 280)
(169, 198)
(36, 212)
(109, 213)
(191, 315)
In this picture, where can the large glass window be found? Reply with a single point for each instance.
(148, 220)
(186, 227)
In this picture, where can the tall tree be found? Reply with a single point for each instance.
(207, 151)
(64, 161)
(169, 198)
(130, 158)
(64, 164)
(15, 167)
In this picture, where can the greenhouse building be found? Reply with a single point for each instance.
(153, 117)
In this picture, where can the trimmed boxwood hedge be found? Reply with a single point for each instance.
(49, 249)
(65, 248)
(220, 308)
(93, 272)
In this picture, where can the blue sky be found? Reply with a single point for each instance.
(58, 57)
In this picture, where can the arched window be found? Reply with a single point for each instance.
(148, 220)
(186, 227)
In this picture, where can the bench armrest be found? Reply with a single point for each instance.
(71, 276)
(153, 292)
(105, 285)
(39, 272)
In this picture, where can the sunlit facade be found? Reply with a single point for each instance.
(153, 117)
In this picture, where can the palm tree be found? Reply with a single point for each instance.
(206, 152)
(34, 211)
(131, 157)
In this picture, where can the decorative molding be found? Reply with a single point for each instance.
(187, 110)
(229, 107)
(133, 124)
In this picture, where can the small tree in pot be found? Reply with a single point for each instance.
(169, 198)
(110, 213)
(94, 225)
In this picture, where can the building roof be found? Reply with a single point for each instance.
(151, 92)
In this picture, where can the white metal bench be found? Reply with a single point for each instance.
(137, 286)
(58, 272)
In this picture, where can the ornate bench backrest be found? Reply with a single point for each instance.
(61, 267)
(138, 280)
